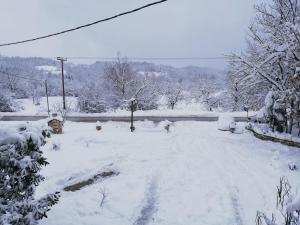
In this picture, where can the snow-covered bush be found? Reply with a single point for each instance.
(281, 110)
(6, 103)
(91, 105)
(288, 205)
(20, 162)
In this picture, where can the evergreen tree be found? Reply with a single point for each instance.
(20, 162)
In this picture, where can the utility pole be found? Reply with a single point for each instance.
(62, 60)
(46, 89)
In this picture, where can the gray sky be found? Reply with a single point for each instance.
(177, 28)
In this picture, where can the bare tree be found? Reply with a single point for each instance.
(173, 93)
(121, 76)
(125, 83)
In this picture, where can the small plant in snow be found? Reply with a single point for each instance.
(293, 166)
(20, 162)
(103, 196)
(167, 128)
(288, 206)
(55, 146)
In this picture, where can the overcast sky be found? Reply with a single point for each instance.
(177, 28)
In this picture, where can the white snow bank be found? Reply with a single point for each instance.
(226, 123)
(21, 133)
(265, 129)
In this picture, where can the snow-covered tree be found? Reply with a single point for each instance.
(173, 93)
(6, 102)
(206, 92)
(92, 98)
(270, 61)
(20, 162)
(123, 83)
(145, 91)
(120, 77)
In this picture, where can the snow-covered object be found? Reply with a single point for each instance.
(20, 161)
(55, 117)
(267, 109)
(98, 126)
(226, 123)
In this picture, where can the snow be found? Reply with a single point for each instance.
(265, 129)
(183, 108)
(54, 104)
(153, 73)
(20, 133)
(50, 69)
(191, 175)
(226, 123)
(294, 205)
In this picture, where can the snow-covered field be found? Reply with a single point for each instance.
(183, 108)
(55, 103)
(193, 175)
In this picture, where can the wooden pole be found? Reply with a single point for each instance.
(46, 89)
(62, 60)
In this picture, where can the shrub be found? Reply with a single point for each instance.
(20, 162)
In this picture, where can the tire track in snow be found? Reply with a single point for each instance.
(188, 157)
(238, 165)
(250, 172)
(236, 206)
(150, 205)
(222, 162)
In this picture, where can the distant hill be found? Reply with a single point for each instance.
(77, 74)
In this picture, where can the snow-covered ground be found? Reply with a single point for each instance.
(49, 69)
(193, 175)
(55, 103)
(183, 108)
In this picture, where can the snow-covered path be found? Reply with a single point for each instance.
(193, 175)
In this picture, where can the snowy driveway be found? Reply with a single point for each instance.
(193, 175)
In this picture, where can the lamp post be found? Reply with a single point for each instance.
(246, 108)
(132, 109)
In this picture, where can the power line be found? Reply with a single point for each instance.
(86, 25)
(147, 58)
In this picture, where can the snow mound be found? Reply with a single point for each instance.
(226, 123)
(20, 134)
